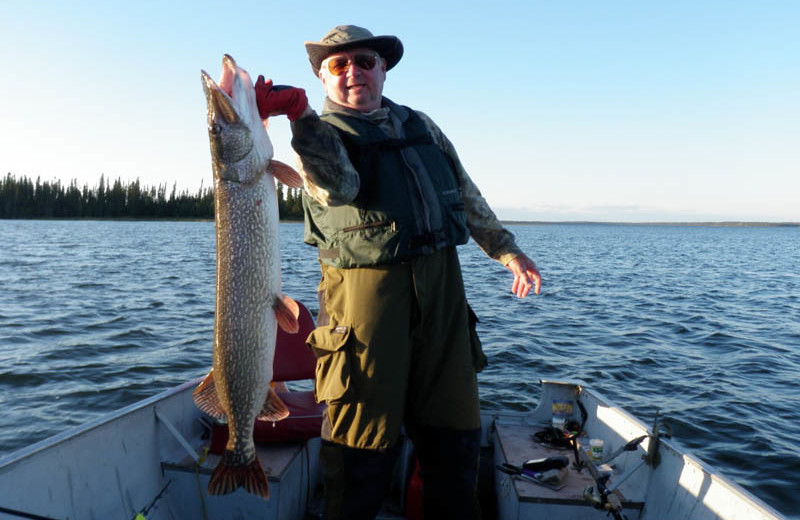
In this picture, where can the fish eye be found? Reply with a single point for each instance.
(216, 129)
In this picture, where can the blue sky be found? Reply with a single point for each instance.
(582, 110)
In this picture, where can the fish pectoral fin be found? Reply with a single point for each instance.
(274, 409)
(286, 312)
(206, 399)
(286, 174)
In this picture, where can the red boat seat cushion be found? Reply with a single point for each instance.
(304, 422)
(293, 359)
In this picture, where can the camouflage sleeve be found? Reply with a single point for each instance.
(328, 175)
(495, 240)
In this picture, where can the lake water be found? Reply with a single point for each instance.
(700, 323)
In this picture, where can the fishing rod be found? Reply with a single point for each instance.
(599, 495)
(24, 514)
(602, 496)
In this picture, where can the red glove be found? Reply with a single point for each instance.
(280, 99)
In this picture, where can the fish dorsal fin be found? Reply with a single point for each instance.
(274, 409)
(286, 312)
(286, 174)
(206, 399)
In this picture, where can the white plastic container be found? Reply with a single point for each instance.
(596, 450)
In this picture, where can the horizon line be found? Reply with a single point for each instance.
(718, 223)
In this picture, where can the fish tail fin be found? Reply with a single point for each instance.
(274, 408)
(206, 398)
(286, 312)
(228, 477)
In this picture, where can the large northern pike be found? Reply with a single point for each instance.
(249, 301)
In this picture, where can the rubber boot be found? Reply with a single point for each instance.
(449, 460)
(356, 480)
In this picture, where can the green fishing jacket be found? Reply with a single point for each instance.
(403, 209)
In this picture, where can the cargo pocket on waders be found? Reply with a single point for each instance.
(479, 360)
(332, 379)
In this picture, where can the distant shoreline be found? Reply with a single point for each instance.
(504, 222)
(612, 223)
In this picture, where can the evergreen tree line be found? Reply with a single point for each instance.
(24, 198)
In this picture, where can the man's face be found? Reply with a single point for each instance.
(357, 87)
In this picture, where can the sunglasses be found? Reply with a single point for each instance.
(339, 65)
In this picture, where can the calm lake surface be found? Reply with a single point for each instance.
(700, 323)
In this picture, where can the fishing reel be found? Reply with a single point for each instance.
(600, 497)
(593, 496)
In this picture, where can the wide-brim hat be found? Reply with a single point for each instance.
(345, 37)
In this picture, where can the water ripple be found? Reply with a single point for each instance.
(699, 324)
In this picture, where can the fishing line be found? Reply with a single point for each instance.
(23, 514)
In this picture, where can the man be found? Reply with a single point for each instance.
(386, 201)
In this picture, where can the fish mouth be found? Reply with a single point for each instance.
(218, 96)
(228, 73)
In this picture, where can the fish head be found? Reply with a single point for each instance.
(240, 147)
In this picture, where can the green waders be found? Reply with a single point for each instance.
(396, 350)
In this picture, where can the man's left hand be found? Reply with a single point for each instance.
(276, 100)
(526, 276)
